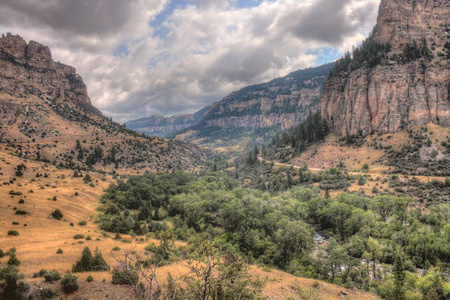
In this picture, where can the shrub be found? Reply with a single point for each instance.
(82, 223)
(15, 193)
(2, 254)
(43, 293)
(88, 238)
(21, 201)
(69, 283)
(51, 276)
(361, 180)
(90, 278)
(40, 273)
(78, 236)
(126, 277)
(57, 214)
(115, 248)
(13, 232)
(59, 251)
(13, 260)
(87, 178)
(20, 212)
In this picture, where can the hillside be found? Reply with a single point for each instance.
(40, 236)
(256, 113)
(46, 115)
(157, 125)
(399, 77)
(388, 99)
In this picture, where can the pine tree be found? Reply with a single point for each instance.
(399, 276)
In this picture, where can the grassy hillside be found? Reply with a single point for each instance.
(40, 237)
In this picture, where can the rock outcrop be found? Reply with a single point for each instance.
(29, 69)
(396, 95)
(259, 112)
(161, 126)
(9, 112)
(45, 110)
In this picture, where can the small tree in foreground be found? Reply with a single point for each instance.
(211, 273)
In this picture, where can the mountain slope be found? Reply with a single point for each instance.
(161, 126)
(258, 112)
(393, 87)
(46, 114)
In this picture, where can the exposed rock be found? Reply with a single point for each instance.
(161, 126)
(261, 111)
(29, 69)
(395, 96)
(401, 21)
(42, 102)
(9, 112)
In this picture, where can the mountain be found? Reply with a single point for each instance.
(399, 77)
(161, 126)
(257, 113)
(46, 114)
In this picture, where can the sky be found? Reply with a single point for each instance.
(145, 57)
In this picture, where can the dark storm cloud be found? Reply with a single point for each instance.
(87, 17)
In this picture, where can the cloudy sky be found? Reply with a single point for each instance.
(144, 57)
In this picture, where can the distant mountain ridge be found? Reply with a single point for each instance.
(161, 126)
(257, 113)
(252, 114)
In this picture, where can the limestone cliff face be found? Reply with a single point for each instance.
(401, 21)
(263, 110)
(394, 95)
(29, 69)
(258, 112)
(161, 126)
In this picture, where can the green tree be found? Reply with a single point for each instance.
(373, 247)
(294, 239)
(89, 262)
(69, 283)
(399, 276)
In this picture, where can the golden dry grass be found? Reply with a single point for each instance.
(330, 152)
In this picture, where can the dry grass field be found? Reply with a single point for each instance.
(332, 151)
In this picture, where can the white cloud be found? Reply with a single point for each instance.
(206, 50)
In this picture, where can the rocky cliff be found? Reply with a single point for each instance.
(46, 114)
(399, 92)
(257, 113)
(28, 69)
(161, 126)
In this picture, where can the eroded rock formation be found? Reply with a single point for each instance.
(396, 95)
(29, 69)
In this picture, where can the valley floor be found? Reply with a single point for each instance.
(40, 236)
